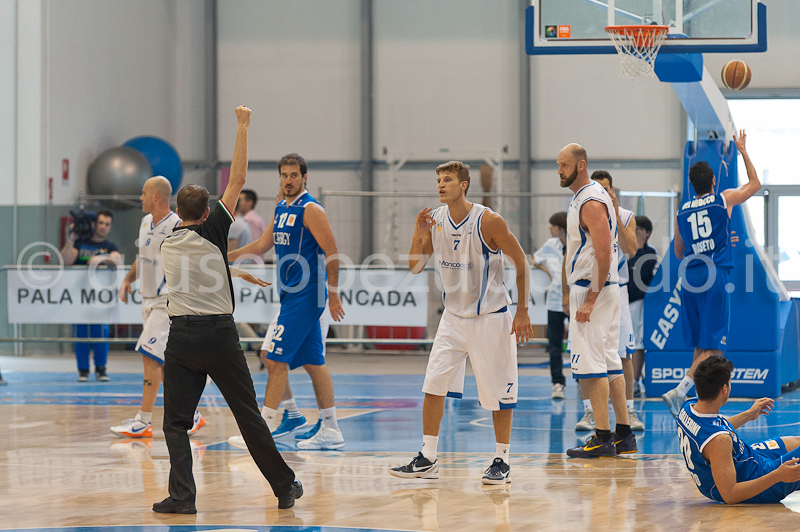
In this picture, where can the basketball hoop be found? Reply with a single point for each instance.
(637, 47)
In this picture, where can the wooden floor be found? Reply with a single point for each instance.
(60, 468)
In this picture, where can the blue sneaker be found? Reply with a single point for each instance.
(288, 425)
(311, 433)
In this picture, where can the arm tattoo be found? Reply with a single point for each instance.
(148, 382)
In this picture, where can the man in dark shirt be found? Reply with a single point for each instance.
(203, 340)
(642, 268)
(92, 251)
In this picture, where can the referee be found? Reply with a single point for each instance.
(203, 340)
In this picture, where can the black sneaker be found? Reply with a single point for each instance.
(497, 473)
(594, 448)
(420, 467)
(83, 375)
(287, 501)
(100, 374)
(169, 506)
(626, 445)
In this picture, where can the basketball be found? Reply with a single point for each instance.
(736, 75)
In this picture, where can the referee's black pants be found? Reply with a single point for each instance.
(209, 345)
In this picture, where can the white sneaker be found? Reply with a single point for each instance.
(326, 438)
(634, 421)
(238, 442)
(133, 428)
(674, 401)
(586, 422)
(558, 391)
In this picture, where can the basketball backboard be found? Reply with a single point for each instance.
(555, 27)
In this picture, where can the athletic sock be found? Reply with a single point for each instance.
(328, 416)
(269, 415)
(622, 430)
(686, 384)
(501, 451)
(604, 435)
(429, 445)
(629, 404)
(291, 408)
(587, 405)
(144, 417)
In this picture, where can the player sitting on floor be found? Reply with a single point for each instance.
(722, 465)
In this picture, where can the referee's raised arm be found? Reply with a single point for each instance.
(239, 163)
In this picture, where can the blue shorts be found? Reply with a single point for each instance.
(772, 458)
(706, 314)
(297, 339)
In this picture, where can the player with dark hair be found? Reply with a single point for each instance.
(703, 241)
(721, 464)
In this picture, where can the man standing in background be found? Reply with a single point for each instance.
(642, 267)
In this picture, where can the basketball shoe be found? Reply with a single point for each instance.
(83, 375)
(674, 401)
(238, 442)
(289, 425)
(558, 391)
(586, 422)
(309, 433)
(327, 438)
(420, 467)
(198, 422)
(100, 374)
(594, 448)
(634, 421)
(497, 473)
(133, 428)
(626, 445)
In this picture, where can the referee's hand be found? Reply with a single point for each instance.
(243, 115)
(253, 280)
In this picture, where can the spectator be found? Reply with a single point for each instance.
(550, 258)
(240, 234)
(94, 250)
(247, 204)
(642, 268)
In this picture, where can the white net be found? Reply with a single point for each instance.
(637, 47)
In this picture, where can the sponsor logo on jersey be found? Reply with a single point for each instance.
(463, 266)
(455, 234)
(281, 238)
(290, 221)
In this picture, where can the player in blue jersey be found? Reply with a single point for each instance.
(703, 241)
(307, 253)
(721, 464)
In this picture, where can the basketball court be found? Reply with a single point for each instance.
(62, 469)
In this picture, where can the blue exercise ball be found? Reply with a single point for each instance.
(162, 157)
(119, 170)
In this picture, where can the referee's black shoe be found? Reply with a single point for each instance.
(169, 506)
(287, 501)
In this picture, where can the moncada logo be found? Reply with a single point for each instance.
(463, 266)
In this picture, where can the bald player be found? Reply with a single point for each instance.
(158, 223)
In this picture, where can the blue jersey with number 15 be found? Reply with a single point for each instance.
(704, 226)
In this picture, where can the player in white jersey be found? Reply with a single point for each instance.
(469, 241)
(591, 275)
(626, 229)
(149, 269)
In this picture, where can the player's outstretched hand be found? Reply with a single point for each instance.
(254, 280)
(522, 327)
(243, 115)
(424, 222)
(335, 306)
(740, 141)
(124, 290)
(760, 407)
(789, 471)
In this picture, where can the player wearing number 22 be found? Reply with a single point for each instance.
(469, 241)
(703, 241)
(721, 464)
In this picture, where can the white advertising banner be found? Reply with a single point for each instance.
(82, 295)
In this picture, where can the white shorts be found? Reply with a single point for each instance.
(324, 325)
(637, 318)
(492, 350)
(594, 344)
(626, 343)
(155, 333)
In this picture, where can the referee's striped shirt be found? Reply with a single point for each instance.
(196, 267)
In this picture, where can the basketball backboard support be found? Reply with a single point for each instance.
(559, 27)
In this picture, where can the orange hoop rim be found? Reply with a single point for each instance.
(644, 28)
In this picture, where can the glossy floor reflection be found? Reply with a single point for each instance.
(60, 468)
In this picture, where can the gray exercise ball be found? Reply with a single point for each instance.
(120, 171)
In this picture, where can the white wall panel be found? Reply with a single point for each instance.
(297, 65)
